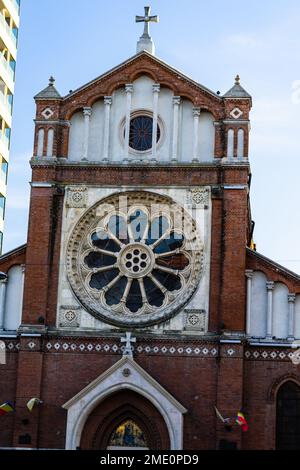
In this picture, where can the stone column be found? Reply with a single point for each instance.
(3, 285)
(270, 288)
(156, 91)
(176, 105)
(23, 266)
(249, 276)
(129, 91)
(196, 114)
(107, 104)
(87, 112)
(291, 332)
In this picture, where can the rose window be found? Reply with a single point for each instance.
(134, 259)
(140, 135)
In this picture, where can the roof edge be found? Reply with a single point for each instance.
(131, 59)
(13, 252)
(275, 265)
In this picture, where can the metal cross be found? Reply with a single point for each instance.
(147, 19)
(128, 351)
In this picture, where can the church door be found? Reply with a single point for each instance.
(288, 417)
(127, 421)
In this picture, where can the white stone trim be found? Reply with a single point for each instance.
(3, 286)
(196, 115)
(236, 187)
(291, 327)
(176, 106)
(41, 185)
(270, 287)
(87, 112)
(249, 276)
(106, 138)
(129, 91)
(156, 91)
(113, 380)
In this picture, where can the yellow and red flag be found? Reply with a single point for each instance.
(241, 421)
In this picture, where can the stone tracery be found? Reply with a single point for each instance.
(135, 259)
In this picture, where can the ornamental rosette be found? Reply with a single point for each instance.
(135, 259)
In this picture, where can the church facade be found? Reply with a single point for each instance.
(138, 304)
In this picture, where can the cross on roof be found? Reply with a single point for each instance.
(128, 351)
(147, 19)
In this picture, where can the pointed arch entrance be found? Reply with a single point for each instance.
(125, 392)
(125, 420)
(288, 417)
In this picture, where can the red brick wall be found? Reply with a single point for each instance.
(261, 382)
(192, 381)
(8, 378)
(234, 240)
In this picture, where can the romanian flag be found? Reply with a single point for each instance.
(241, 421)
(6, 408)
(33, 402)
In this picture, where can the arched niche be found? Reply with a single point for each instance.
(288, 416)
(105, 428)
(50, 142)
(230, 143)
(14, 298)
(280, 311)
(258, 321)
(297, 317)
(241, 143)
(40, 142)
(76, 137)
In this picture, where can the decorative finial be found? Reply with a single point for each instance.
(237, 80)
(145, 43)
(51, 81)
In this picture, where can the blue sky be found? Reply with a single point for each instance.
(211, 42)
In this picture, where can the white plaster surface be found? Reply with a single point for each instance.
(142, 100)
(259, 306)
(14, 299)
(200, 299)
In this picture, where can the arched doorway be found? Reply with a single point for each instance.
(125, 420)
(288, 417)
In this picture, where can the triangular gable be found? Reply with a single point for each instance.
(114, 375)
(151, 58)
(125, 374)
(129, 70)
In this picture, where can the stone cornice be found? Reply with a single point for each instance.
(64, 163)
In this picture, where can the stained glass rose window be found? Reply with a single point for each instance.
(134, 259)
(141, 131)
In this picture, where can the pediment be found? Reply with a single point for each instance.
(130, 70)
(126, 373)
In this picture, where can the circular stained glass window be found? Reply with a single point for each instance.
(141, 132)
(135, 263)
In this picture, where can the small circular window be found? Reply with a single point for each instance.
(141, 132)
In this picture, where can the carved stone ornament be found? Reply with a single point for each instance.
(134, 259)
(77, 197)
(236, 113)
(69, 317)
(47, 113)
(195, 320)
(199, 196)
